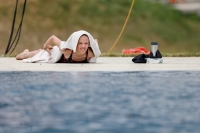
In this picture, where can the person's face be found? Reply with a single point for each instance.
(83, 44)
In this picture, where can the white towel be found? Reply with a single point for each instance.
(43, 56)
(71, 43)
(154, 60)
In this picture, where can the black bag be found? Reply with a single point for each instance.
(141, 58)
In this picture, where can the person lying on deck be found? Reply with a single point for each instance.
(80, 47)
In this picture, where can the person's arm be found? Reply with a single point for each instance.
(56, 41)
(90, 52)
(52, 40)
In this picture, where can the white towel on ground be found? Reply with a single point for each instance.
(71, 43)
(154, 60)
(43, 56)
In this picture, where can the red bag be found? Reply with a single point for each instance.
(138, 50)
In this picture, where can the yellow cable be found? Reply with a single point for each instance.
(123, 27)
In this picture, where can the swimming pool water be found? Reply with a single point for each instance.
(100, 102)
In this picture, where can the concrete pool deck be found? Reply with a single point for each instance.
(105, 64)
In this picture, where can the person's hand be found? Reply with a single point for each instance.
(96, 40)
(48, 47)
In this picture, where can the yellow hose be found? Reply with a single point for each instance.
(123, 27)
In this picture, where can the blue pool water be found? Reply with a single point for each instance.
(100, 102)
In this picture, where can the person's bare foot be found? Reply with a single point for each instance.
(25, 51)
(22, 55)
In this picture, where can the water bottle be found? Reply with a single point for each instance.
(154, 48)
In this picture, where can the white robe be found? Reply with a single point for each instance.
(71, 43)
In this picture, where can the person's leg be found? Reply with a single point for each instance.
(26, 54)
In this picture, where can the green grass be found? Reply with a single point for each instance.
(176, 32)
(133, 55)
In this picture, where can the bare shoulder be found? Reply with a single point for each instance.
(66, 52)
(90, 53)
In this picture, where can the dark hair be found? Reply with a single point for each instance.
(84, 35)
